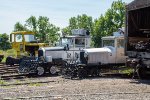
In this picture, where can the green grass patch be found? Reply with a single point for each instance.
(1, 52)
(18, 82)
(2, 82)
(128, 71)
(10, 52)
(35, 84)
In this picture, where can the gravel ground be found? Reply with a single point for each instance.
(14, 86)
(58, 88)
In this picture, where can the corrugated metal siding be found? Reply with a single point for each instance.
(98, 57)
(137, 4)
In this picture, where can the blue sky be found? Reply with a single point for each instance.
(58, 11)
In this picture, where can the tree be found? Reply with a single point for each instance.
(43, 24)
(79, 22)
(19, 27)
(66, 30)
(4, 42)
(45, 31)
(73, 23)
(52, 34)
(109, 22)
(32, 23)
(99, 31)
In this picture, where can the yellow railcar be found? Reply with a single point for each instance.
(25, 44)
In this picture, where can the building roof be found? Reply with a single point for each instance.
(138, 4)
(75, 36)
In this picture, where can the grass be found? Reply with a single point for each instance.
(124, 70)
(18, 82)
(2, 82)
(128, 71)
(10, 52)
(35, 84)
(32, 83)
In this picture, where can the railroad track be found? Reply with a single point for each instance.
(9, 72)
(4, 69)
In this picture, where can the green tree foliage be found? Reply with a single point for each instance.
(32, 23)
(45, 31)
(109, 22)
(79, 22)
(66, 30)
(43, 24)
(19, 27)
(52, 34)
(4, 42)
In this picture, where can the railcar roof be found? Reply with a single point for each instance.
(23, 32)
(52, 48)
(92, 50)
(74, 36)
(112, 37)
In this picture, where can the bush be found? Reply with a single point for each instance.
(127, 71)
(11, 52)
(1, 52)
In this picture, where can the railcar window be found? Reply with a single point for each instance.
(108, 43)
(79, 42)
(29, 38)
(65, 41)
(120, 43)
(19, 38)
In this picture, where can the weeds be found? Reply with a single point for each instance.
(127, 71)
(2, 82)
(10, 52)
(35, 84)
(18, 81)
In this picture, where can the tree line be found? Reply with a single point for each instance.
(45, 31)
(105, 25)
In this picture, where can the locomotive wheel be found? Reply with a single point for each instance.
(40, 71)
(82, 73)
(141, 72)
(94, 72)
(53, 70)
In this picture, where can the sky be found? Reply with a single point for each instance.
(58, 11)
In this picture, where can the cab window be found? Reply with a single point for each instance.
(120, 43)
(108, 43)
(29, 38)
(18, 38)
(79, 42)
